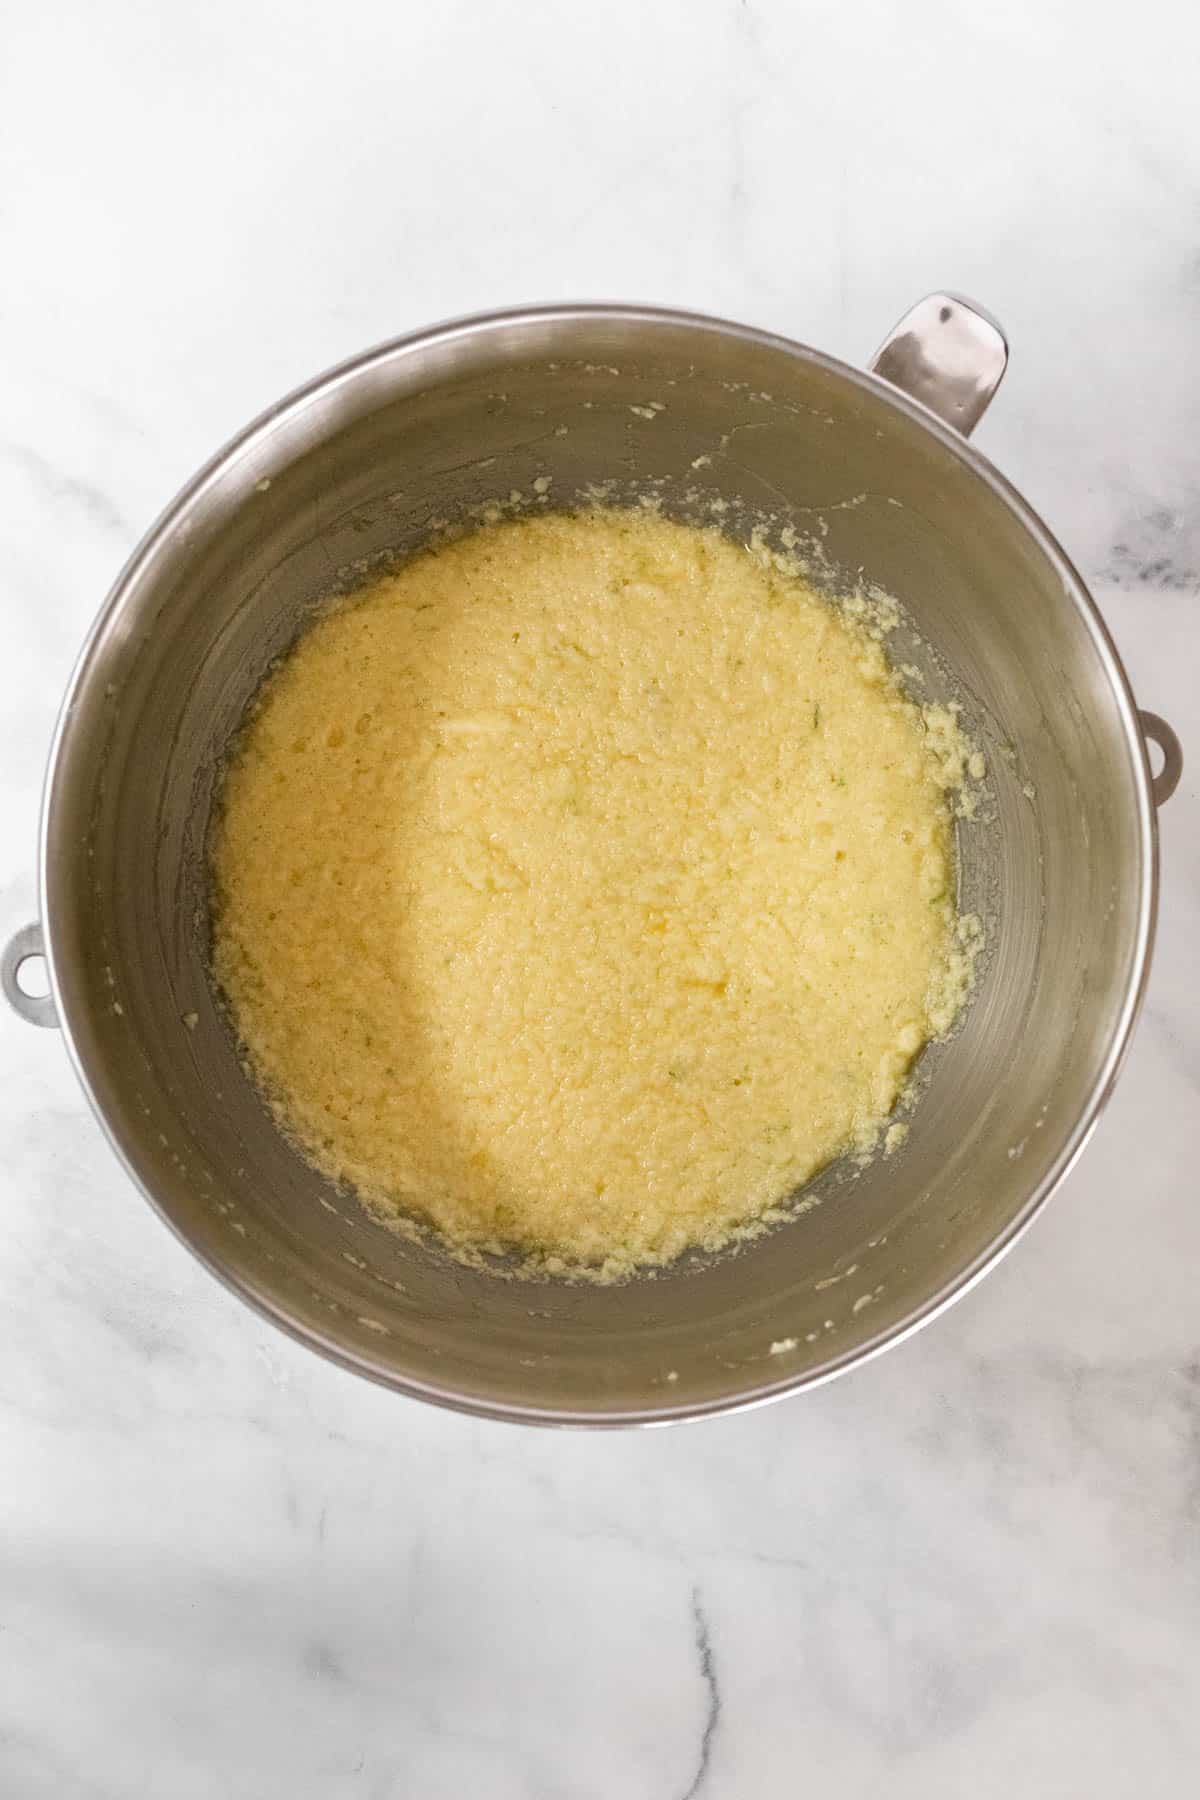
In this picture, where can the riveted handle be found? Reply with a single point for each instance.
(22, 947)
(948, 353)
(1163, 785)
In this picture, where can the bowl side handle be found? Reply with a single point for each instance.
(23, 947)
(949, 354)
(1157, 731)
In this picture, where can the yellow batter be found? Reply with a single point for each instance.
(583, 887)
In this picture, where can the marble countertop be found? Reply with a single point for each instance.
(229, 1569)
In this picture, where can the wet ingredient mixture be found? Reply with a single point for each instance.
(584, 886)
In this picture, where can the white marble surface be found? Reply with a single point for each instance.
(229, 1570)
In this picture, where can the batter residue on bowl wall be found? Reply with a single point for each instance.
(584, 886)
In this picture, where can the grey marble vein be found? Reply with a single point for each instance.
(712, 1709)
(85, 497)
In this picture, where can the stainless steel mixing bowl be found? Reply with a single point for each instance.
(367, 460)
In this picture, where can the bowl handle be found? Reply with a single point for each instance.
(951, 355)
(35, 1009)
(1163, 785)
(947, 353)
